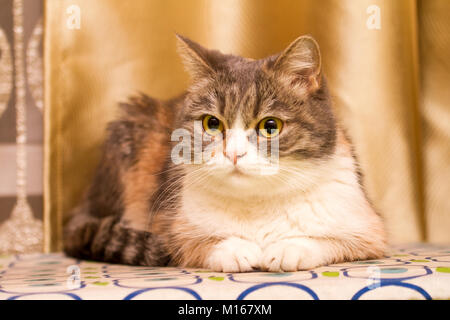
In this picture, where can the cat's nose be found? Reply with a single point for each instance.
(234, 156)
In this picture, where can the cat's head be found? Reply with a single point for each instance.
(264, 125)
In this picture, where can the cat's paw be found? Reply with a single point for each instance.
(117, 243)
(234, 255)
(78, 234)
(288, 255)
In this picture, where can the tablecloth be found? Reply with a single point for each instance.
(408, 272)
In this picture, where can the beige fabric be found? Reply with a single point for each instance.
(121, 48)
(435, 112)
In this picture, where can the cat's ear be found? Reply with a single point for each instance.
(300, 64)
(195, 58)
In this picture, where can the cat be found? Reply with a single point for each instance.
(236, 209)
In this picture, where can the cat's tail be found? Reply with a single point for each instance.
(108, 239)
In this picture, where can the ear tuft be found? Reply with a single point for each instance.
(300, 63)
(195, 57)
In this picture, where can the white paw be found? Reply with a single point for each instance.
(234, 255)
(289, 256)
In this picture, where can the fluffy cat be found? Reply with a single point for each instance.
(234, 209)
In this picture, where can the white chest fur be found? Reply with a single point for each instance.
(336, 208)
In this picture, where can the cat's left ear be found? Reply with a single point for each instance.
(196, 59)
(300, 64)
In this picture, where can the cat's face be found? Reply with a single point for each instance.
(264, 125)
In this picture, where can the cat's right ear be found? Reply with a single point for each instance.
(299, 66)
(195, 58)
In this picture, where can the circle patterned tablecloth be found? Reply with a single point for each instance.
(409, 272)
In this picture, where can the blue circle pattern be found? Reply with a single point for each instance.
(404, 270)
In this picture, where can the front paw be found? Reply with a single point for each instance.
(234, 255)
(288, 255)
(78, 235)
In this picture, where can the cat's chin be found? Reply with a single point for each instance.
(238, 174)
(238, 183)
(241, 173)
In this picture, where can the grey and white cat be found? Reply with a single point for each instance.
(231, 211)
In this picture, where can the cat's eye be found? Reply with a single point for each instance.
(270, 127)
(212, 125)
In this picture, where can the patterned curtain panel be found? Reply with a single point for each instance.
(386, 61)
(21, 107)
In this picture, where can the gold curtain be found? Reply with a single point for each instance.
(99, 52)
(435, 113)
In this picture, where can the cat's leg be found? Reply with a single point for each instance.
(305, 253)
(234, 255)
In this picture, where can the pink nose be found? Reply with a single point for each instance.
(234, 156)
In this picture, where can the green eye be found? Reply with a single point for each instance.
(212, 125)
(270, 127)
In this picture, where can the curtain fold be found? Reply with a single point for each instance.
(435, 114)
(119, 48)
